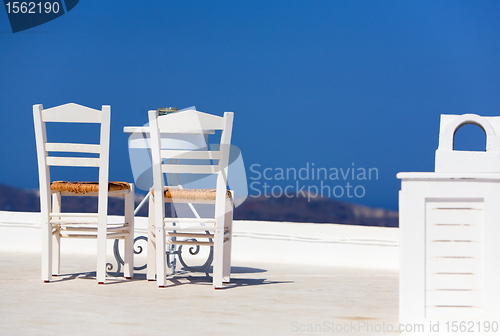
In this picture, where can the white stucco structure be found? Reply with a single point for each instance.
(449, 231)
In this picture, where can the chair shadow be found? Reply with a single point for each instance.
(111, 279)
(202, 279)
(179, 278)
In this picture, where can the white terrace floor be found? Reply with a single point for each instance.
(287, 279)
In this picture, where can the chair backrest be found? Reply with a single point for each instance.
(208, 161)
(72, 113)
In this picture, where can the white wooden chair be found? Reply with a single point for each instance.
(57, 225)
(184, 231)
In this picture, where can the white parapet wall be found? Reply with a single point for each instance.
(317, 244)
(329, 245)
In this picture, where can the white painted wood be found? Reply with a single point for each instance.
(128, 267)
(72, 214)
(491, 256)
(73, 113)
(145, 130)
(453, 265)
(454, 233)
(191, 122)
(454, 314)
(56, 225)
(71, 147)
(191, 228)
(159, 209)
(412, 254)
(73, 161)
(102, 205)
(189, 220)
(226, 262)
(454, 249)
(91, 229)
(456, 281)
(457, 216)
(192, 154)
(81, 221)
(56, 238)
(189, 169)
(457, 298)
(178, 242)
(119, 235)
(45, 193)
(151, 251)
(79, 236)
(189, 235)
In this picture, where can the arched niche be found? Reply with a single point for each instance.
(469, 137)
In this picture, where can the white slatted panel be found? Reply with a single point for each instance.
(454, 298)
(454, 313)
(439, 249)
(458, 233)
(454, 259)
(445, 215)
(453, 265)
(437, 282)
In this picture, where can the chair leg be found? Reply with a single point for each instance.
(218, 255)
(161, 267)
(46, 246)
(128, 267)
(101, 247)
(228, 222)
(56, 238)
(151, 251)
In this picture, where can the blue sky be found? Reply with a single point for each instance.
(326, 82)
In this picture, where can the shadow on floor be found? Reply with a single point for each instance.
(181, 277)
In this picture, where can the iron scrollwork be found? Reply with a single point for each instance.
(170, 254)
(119, 259)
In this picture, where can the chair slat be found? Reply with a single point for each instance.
(72, 161)
(72, 113)
(189, 242)
(188, 220)
(76, 221)
(71, 147)
(81, 236)
(189, 169)
(190, 235)
(72, 214)
(186, 154)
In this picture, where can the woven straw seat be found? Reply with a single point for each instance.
(192, 194)
(86, 187)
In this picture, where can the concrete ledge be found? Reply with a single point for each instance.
(275, 242)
